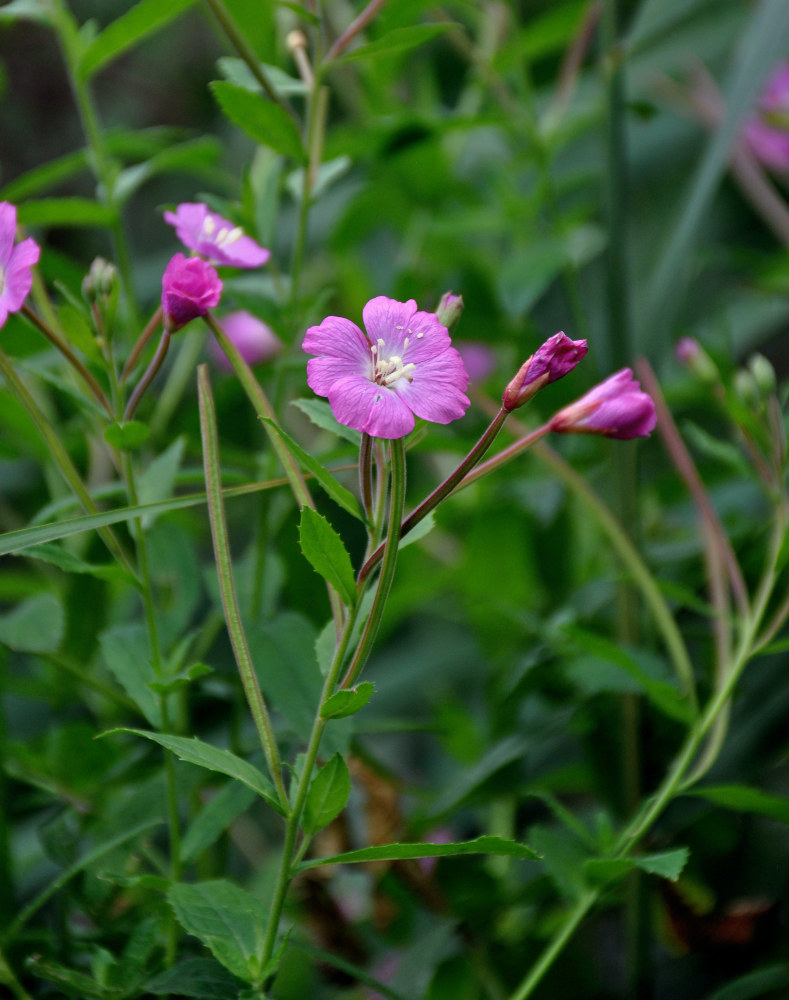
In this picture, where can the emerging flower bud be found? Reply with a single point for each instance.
(617, 408)
(763, 374)
(691, 353)
(557, 356)
(450, 309)
(256, 342)
(100, 281)
(189, 289)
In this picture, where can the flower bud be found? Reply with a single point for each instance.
(763, 374)
(692, 354)
(450, 309)
(747, 388)
(617, 408)
(553, 360)
(190, 287)
(101, 280)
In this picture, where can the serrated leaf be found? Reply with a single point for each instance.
(143, 19)
(741, 798)
(327, 795)
(214, 818)
(65, 212)
(228, 920)
(665, 864)
(323, 549)
(398, 852)
(396, 41)
(35, 626)
(265, 122)
(347, 701)
(338, 493)
(319, 412)
(196, 978)
(126, 436)
(194, 751)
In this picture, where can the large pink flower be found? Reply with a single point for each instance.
(616, 408)
(402, 367)
(16, 262)
(214, 237)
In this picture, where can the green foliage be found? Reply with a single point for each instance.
(325, 552)
(327, 795)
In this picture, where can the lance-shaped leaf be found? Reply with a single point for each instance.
(400, 852)
(348, 701)
(324, 551)
(263, 121)
(327, 796)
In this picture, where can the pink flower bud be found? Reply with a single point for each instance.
(557, 356)
(190, 287)
(256, 342)
(766, 134)
(690, 352)
(450, 309)
(617, 408)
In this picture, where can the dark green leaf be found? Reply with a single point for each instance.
(324, 551)
(319, 412)
(666, 864)
(396, 41)
(127, 654)
(73, 983)
(215, 817)
(348, 701)
(327, 795)
(69, 563)
(263, 121)
(756, 984)
(742, 798)
(229, 921)
(198, 978)
(182, 679)
(398, 852)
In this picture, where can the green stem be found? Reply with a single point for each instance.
(224, 567)
(142, 340)
(150, 373)
(61, 458)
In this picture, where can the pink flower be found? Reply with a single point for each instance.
(16, 263)
(214, 237)
(189, 289)
(256, 342)
(557, 356)
(378, 381)
(617, 408)
(767, 134)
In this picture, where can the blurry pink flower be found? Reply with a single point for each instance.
(16, 262)
(554, 359)
(256, 342)
(617, 408)
(189, 289)
(479, 359)
(214, 237)
(768, 139)
(441, 835)
(378, 381)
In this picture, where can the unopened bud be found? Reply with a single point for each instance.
(101, 280)
(747, 388)
(763, 374)
(553, 360)
(296, 40)
(450, 309)
(692, 354)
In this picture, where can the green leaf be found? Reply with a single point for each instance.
(197, 157)
(666, 864)
(26, 10)
(228, 920)
(755, 984)
(423, 527)
(214, 818)
(327, 795)
(65, 212)
(398, 852)
(342, 497)
(348, 701)
(126, 436)
(143, 19)
(741, 798)
(73, 983)
(69, 563)
(396, 41)
(198, 978)
(319, 412)
(323, 549)
(240, 75)
(157, 482)
(127, 654)
(182, 679)
(191, 750)
(35, 626)
(263, 121)
(325, 644)
(77, 330)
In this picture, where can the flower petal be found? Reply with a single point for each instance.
(370, 408)
(437, 390)
(323, 372)
(393, 322)
(7, 231)
(18, 276)
(338, 338)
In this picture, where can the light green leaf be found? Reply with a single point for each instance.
(263, 121)
(422, 528)
(325, 644)
(180, 680)
(323, 549)
(35, 626)
(69, 563)
(143, 19)
(399, 852)
(396, 41)
(741, 798)
(228, 920)
(327, 795)
(126, 436)
(319, 412)
(666, 864)
(197, 156)
(65, 212)
(348, 701)
(127, 654)
(157, 482)
(238, 73)
(214, 818)
(195, 751)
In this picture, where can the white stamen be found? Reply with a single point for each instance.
(209, 226)
(419, 336)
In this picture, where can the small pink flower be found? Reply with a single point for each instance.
(16, 263)
(216, 238)
(767, 133)
(553, 360)
(617, 408)
(190, 287)
(256, 342)
(378, 381)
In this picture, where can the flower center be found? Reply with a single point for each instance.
(388, 370)
(224, 237)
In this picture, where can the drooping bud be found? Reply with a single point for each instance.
(553, 360)
(190, 287)
(450, 309)
(617, 408)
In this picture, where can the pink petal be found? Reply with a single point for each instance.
(7, 231)
(323, 372)
(370, 408)
(437, 391)
(19, 276)
(338, 338)
(392, 321)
